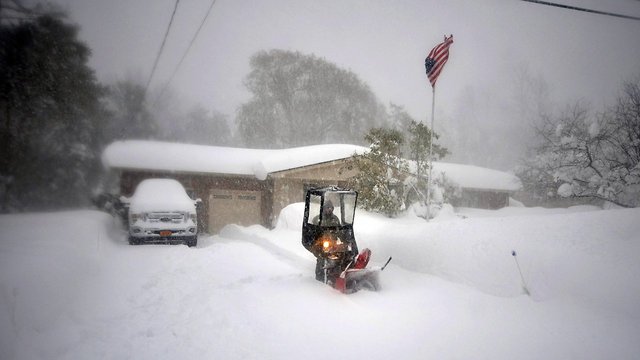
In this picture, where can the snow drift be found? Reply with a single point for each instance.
(71, 288)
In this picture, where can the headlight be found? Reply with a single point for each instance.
(193, 217)
(135, 217)
(326, 245)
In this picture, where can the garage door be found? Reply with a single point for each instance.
(233, 207)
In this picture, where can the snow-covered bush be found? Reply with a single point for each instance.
(584, 156)
(443, 192)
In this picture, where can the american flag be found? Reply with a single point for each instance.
(437, 58)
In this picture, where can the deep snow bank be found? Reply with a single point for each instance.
(46, 259)
(73, 289)
(564, 252)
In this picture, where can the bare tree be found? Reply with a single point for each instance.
(302, 99)
(130, 115)
(206, 127)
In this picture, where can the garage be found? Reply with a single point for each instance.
(251, 186)
(236, 185)
(240, 207)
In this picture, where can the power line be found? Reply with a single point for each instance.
(583, 9)
(166, 34)
(193, 40)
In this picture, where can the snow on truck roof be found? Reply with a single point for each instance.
(176, 157)
(174, 198)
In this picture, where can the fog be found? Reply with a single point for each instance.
(507, 58)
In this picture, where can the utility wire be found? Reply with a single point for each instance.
(583, 9)
(166, 34)
(193, 40)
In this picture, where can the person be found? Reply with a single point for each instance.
(328, 217)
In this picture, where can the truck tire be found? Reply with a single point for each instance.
(192, 241)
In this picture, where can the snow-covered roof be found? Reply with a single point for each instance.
(175, 157)
(475, 177)
(165, 156)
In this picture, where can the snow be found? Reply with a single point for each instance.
(565, 190)
(475, 177)
(157, 155)
(174, 197)
(71, 288)
(175, 157)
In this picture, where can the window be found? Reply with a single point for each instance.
(349, 206)
(314, 208)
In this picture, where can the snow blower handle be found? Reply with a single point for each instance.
(387, 263)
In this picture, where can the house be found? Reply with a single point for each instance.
(251, 186)
(241, 186)
(480, 187)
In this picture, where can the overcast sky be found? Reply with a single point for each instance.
(580, 55)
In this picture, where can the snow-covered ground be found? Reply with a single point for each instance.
(71, 288)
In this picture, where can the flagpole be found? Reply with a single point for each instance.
(430, 161)
(434, 64)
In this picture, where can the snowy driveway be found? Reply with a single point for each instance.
(250, 293)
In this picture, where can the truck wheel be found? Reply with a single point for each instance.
(134, 241)
(192, 241)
